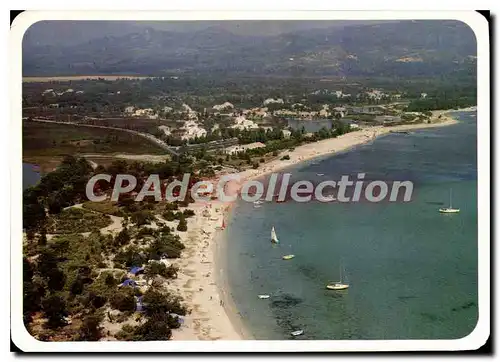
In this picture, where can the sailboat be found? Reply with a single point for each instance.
(450, 209)
(338, 285)
(274, 238)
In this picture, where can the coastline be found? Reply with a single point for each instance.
(201, 277)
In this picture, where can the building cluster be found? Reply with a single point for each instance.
(191, 123)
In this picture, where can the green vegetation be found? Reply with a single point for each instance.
(159, 319)
(43, 142)
(157, 268)
(123, 300)
(104, 207)
(62, 188)
(76, 221)
(65, 281)
(454, 102)
(69, 285)
(182, 224)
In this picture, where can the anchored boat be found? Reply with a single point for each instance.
(340, 285)
(450, 209)
(274, 238)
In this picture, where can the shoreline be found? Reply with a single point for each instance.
(222, 319)
(346, 142)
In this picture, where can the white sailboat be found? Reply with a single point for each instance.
(450, 209)
(274, 238)
(340, 285)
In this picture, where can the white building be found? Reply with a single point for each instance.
(324, 112)
(375, 94)
(192, 130)
(191, 114)
(272, 100)
(223, 106)
(423, 95)
(146, 112)
(242, 123)
(165, 130)
(286, 133)
(239, 148)
(341, 111)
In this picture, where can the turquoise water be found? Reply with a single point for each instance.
(412, 271)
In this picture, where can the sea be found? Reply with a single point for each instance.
(412, 271)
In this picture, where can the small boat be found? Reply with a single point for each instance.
(320, 174)
(297, 333)
(450, 209)
(274, 237)
(258, 206)
(338, 285)
(288, 257)
(258, 202)
(263, 296)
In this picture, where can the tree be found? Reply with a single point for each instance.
(188, 213)
(48, 270)
(142, 217)
(33, 214)
(123, 237)
(158, 303)
(157, 268)
(54, 309)
(42, 239)
(90, 329)
(168, 244)
(123, 300)
(156, 328)
(182, 224)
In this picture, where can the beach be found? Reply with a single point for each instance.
(200, 279)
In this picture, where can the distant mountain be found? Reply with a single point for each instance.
(65, 32)
(405, 48)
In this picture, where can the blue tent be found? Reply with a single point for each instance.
(136, 270)
(128, 283)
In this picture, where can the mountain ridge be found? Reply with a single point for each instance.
(414, 48)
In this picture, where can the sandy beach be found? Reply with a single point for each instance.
(213, 314)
